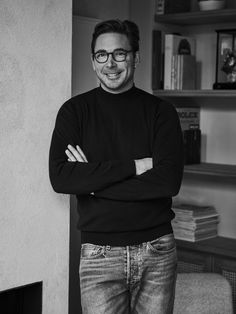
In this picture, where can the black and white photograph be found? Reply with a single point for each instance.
(118, 157)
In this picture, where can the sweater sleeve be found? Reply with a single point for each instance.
(164, 179)
(79, 177)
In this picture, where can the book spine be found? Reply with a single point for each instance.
(175, 44)
(188, 68)
(192, 146)
(178, 85)
(169, 42)
(157, 60)
(173, 71)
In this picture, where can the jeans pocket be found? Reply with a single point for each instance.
(91, 251)
(164, 244)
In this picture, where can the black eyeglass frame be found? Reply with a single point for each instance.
(113, 54)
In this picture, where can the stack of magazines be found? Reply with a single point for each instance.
(194, 222)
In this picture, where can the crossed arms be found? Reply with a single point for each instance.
(148, 178)
(76, 154)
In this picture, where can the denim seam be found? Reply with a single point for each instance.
(127, 265)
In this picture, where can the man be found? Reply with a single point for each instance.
(119, 149)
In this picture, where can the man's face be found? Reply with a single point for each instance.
(115, 77)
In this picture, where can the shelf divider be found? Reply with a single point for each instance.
(212, 169)
(196, 93)
(198, 17)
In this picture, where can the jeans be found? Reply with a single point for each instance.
(137, 279)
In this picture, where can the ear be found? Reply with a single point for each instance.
(136, 58)
(92, 60)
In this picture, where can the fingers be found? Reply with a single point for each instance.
(73, 154)
(70, 156)
(81, 153)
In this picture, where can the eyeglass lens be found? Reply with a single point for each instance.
(118, 55)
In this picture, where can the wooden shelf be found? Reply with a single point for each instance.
(213, 170)
(218, 245)
(198, 17)
(203, 93)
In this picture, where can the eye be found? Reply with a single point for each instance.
(120, 53)
(101, 54)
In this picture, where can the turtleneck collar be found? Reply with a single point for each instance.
(103, 93)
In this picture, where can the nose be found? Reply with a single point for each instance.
(110, 62)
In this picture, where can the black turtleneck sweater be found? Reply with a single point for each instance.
(113, 130)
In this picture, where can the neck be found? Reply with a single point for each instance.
(120, 90)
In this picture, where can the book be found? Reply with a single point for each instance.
(194, 222)
(196, 219)
(193, 226)
(157, 59)
(186, 74)
(192, 237)
(183, 72)
(192, 210)
(189, 117)
(174, 72)
(199, 232)
(192, 146)
(190, 123)
(175, 44)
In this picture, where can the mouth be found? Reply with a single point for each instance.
(113, 76)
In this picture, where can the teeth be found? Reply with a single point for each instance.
(113, 75)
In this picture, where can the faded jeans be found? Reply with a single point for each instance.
(137, 279)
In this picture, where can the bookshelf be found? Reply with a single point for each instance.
(212, 170)
(203, 93)
(216, 254)
(198, 17)
(203, 97)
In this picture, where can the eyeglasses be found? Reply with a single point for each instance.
(119, 55)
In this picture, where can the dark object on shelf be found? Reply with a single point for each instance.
(225, 59)
(224, 85)
(157, 60)
(192, 146)
(170, 6)
(177, 6)
(190, 123)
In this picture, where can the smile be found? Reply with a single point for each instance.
(113, 75)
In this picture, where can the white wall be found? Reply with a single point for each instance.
(35, 79)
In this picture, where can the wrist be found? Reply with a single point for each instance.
(140, 166)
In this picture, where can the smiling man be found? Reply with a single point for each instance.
(120, 150)
(115, 75)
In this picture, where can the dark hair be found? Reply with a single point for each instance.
(128, 28)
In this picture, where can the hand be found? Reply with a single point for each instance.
(75, 154)
(142, 165)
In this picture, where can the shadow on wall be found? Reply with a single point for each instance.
(74, 287)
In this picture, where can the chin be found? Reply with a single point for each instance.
(113, 85)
